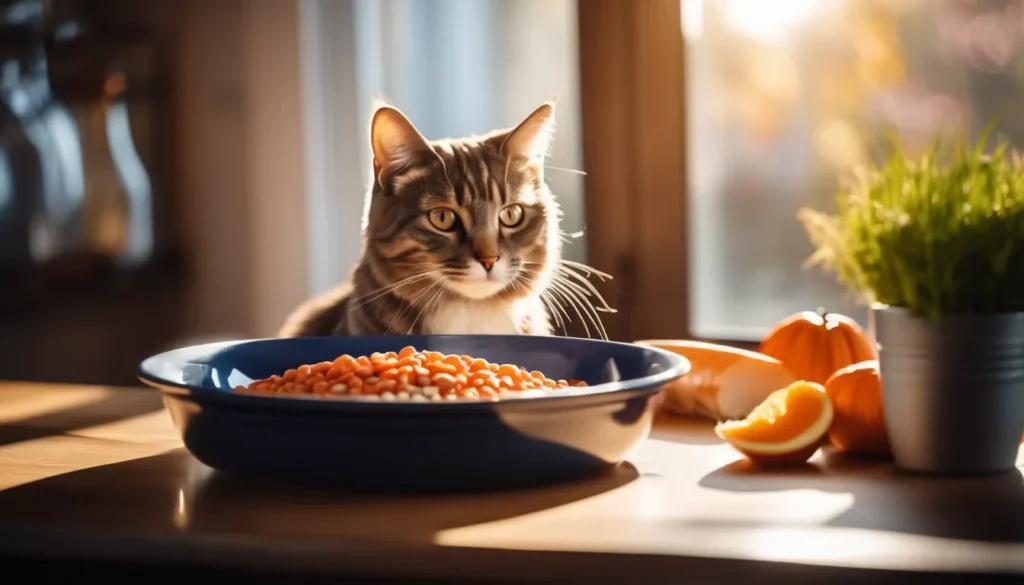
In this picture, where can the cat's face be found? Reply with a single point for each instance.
(469, 217)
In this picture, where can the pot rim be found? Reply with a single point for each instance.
(974, 317)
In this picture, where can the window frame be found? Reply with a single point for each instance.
(632, 87)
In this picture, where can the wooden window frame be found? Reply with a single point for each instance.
(632, 88)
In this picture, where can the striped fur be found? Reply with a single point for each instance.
(413, 278)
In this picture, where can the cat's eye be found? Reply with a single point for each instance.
(442, 219)
(511, 216)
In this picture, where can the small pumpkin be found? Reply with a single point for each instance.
(858, 423)
(813, 345)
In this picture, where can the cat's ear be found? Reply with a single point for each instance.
(396, 143)
(532, 137)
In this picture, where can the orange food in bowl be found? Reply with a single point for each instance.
(724, 383)
(786, 429)
(407, 375)
(859, 422)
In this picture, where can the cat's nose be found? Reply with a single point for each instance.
(487, 261)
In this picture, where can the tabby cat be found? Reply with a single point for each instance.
(461, 236)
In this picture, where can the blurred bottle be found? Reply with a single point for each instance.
(41, 186)
(118, 196)
(20, 174)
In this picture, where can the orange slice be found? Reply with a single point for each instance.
(785, 429)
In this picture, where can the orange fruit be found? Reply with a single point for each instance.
(814, 345)
(786, 429)
(858, 424)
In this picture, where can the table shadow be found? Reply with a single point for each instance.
(109, 409)
(988, 509)
(174, 493)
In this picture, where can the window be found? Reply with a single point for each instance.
(784, 97)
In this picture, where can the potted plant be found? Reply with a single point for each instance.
(936, 244)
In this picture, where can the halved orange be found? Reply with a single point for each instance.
(785, 429)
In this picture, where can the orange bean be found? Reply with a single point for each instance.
(407, 372)
(338, 371)
(442, 368)
(411, 361)
(444, 381)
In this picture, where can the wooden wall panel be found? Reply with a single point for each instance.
(631, 77)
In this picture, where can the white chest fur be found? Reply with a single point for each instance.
(465, 317)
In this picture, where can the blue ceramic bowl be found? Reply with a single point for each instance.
(358, 445)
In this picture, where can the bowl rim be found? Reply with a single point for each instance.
(678, 367)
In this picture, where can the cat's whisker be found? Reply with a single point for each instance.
(412, 303)
(376, 294)
(390, 287)
(426, 306)
(580, 301)
(554, 302)
(552, 310)
(572, 304)
(573, 171)
(587, 270)
(584, 287)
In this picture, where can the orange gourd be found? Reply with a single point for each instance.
(858, 423)
(814, 345)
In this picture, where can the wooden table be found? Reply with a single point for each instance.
(95, 479)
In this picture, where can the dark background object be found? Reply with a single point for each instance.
(77, 314)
